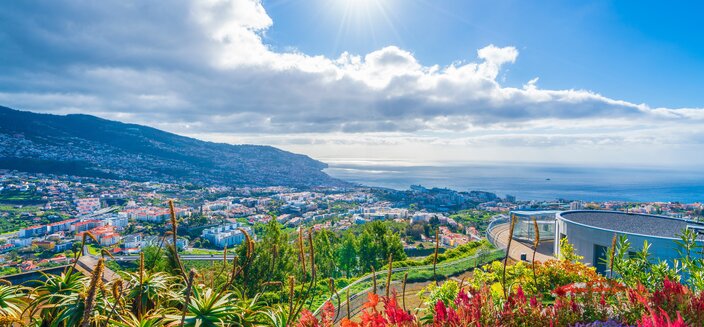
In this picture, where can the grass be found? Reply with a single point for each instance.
(13, 208)
(93, 249)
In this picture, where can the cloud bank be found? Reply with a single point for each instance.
(203, 68)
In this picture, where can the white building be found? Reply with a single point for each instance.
(132, 241)
(226, 235)
(384, 213)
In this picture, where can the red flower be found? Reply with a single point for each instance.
(573, 305)
(348, 323)
(561, 291)
(307, 319)
(373, 319)
(328, 314)
(394, 314)
(445, 315)
(372, 300)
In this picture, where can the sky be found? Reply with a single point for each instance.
(403, 81)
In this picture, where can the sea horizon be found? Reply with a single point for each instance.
(531, 181)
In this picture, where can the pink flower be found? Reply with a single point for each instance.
(440, 312)
(533, 302)
(660, 320)
(520, 296)
(462, 298)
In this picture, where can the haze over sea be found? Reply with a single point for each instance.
(532, 181)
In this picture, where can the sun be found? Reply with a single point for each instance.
(358, 3)
(362, 18)
(368, 8)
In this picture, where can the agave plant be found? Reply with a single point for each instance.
(150, 319)
(51, 293)
(70, 299)
(208, 308)
(277, 317)
(12, 303)
(74, 309)
(148, 291)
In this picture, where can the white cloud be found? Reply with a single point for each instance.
(203, 68)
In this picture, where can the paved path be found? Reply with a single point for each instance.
(500, 234)
(87, 263)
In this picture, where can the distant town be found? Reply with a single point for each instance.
(43, 218)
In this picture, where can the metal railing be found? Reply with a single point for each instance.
(499, 220)
(478, 258)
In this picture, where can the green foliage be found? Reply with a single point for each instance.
(691, 259)
(550, 275)
(347, 254)
(155, 258)
(376, 243)
(273, 259)
(462, 251)
(567, 251)
(478, 218)
(640, 268)
(325, 245)
(432, 293)
(15, 218)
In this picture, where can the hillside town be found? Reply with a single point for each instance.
(43, 218)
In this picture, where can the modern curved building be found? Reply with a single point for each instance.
(591, 233)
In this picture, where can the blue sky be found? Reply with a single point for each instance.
(403, 81)
(639, 51)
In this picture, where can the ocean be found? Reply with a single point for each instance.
(532, 181)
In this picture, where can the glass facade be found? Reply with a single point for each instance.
(525, 230)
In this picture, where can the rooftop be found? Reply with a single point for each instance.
(631, 223)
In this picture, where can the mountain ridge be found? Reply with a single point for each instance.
(86, 145)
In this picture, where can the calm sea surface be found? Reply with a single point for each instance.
(535, 182)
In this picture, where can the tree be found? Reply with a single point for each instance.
(367, 251)
(324, 244)
(347, 254)
(273, 259)
(415, 232)
(376, 243)
(155, 258)
(434, 222)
